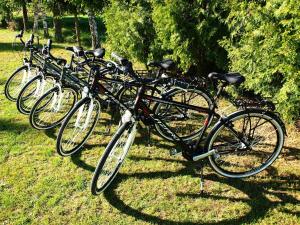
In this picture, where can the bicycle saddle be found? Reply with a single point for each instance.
(98, 53)
(166, 64)
(229, 78)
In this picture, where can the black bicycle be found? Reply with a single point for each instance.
(25, 73)
(53, 106)
(239, 145)
(81, 121)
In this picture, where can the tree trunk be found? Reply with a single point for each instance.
(57, 22)
(77, 29)
(25, 16)
(45, 25)
(93, 29)
(36, 18)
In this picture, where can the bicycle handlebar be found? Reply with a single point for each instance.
(120, 59)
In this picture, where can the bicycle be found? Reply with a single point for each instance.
(42, 82)
(232, 146)
(53, 106)
(82, 120)
(25, 73)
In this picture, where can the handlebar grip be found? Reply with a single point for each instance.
(121, 60)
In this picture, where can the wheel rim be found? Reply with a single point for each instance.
(79, 126)
(53, 108)
(186, 123)
(19, 80)
(32, 92)
(115, 158)
(234, 159)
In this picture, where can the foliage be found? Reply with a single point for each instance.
(264, 46)
(185, 31)
(129, 28)
(189, 30)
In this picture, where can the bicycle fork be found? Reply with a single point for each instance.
(57, 99)
(88, 114)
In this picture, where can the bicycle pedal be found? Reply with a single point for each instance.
(174, 152)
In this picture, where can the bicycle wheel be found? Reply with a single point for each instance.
(186, 123)
(78, 126)
(52, 107)
(263, 138)
(32, 91)
(113, 157)
(17, 80)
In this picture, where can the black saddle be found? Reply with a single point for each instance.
(229, 78)
(166, 64)
(98, 53)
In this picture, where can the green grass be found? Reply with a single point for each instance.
(37, 186)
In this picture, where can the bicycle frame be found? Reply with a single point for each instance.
(141, 109)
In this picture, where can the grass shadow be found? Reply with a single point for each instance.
(256, 192)
(12, 126)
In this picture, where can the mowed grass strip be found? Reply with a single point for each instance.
(37, 186)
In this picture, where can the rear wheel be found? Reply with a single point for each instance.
(113, 157)
(186, 123)
(246, 144)
(52, 107)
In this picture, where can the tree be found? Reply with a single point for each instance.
(187, 31)
(57, 20)
(74, 8)
(264, 46)
(130, 28)
(39, 10)
(91, 7)
(93, 28)
(25, 16)
(56, 6)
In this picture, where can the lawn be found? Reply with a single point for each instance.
(37, 186)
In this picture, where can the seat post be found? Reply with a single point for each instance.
(220, 91)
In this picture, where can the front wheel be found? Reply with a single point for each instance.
(246, 143)
(78, 126)
(113, 157)
(17, 81)
(32, 91)
(50, 110)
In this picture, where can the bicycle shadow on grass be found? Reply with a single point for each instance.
(13, 126)
(255, 191)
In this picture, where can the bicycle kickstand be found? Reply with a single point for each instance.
(201, 178)
(149, 136)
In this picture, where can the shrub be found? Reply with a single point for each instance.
(264, 46)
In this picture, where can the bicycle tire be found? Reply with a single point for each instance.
(196, 128)
(104, 160)
(68, 120)
(224, 161)
(7, 87)
(55, 117)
